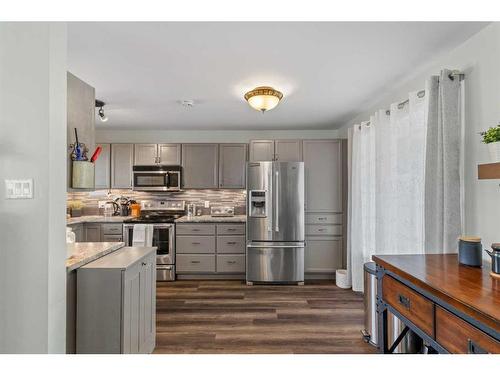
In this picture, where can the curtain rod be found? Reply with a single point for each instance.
(421, 93)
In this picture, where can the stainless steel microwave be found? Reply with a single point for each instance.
(157, 177)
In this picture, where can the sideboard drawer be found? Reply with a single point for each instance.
(458, 336)
(409, 303)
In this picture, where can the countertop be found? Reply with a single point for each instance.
(212, 219)
(123, 258)
(96, 219)
(86, 252)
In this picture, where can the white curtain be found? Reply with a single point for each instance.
(387, 184)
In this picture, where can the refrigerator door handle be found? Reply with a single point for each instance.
(276, 204)
(269, 198)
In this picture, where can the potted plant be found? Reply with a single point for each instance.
(492, 138)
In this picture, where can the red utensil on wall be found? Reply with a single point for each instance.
(96, 154)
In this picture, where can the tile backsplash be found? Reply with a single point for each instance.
(216, 197)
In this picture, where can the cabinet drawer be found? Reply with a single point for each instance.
(458, 336)
(312, 218)
(323, 230)
(231, 244)
(195, 244)
(111, 238)
(196, 229)
(195, 263)
(409, 303)
(230, 229)
(111, 228)
(230, 263)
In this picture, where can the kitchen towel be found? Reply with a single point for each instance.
(142, 235)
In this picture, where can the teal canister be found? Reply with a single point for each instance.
(470, 251)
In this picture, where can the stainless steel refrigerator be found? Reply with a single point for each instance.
(275, 222)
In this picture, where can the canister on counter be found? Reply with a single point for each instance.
(470, 251)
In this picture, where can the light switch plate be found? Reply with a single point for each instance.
(207, 204)
(19, 189)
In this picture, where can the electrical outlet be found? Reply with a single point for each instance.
(207, 204)
(19, 189)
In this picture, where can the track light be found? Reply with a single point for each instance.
(100, 104)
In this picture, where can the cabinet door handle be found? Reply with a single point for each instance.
(405, 301)
(195, 261)
(321, 229)
(231, 262)
(144, 263)
(473, 348)
(231, 243)
(321, 218)
(231, 229)
(195, 243)
(195, 230)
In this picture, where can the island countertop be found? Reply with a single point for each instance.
(86, 252)
(96, 219)
(212, 219)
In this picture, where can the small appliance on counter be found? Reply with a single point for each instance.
(111, 208)
(222, 211)
(470, 251)
(495, 259)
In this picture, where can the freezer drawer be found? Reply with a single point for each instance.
(275, 262)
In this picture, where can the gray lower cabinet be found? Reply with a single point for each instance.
(92, 232)
(323, 255)
(210, 249)
(116, 299)
(200, 166)
(79, 231)
(122, 159)
(103, 168)
(232, 165)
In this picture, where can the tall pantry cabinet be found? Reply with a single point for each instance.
(324, 206)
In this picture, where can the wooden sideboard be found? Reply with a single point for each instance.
(453, 308)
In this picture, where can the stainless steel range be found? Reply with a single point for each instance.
(162, 215)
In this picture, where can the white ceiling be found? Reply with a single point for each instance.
(328, 71)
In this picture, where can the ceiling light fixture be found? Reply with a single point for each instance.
(263, 98)
(100, 104)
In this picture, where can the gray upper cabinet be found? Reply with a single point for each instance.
(200, 165)
(149, 154)
(103, 168)
(262, 150)
(145, 154)
(232, 165)
(323, 172)
(288, 150)
(122, 157)
(279, 150)
(169, 154)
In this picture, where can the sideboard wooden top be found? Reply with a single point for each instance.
(469, 289)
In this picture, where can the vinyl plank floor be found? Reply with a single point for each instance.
(217, 316)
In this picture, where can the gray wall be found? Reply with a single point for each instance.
(479, 58)
(33, 145)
